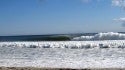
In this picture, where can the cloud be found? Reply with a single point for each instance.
(121, 4)
(118, 3)
(121, 20)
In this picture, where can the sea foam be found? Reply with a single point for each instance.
(49, 54)
(67, 44)
(101, 36)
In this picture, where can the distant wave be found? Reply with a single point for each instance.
(66, 37)
(101, 36)
(66, 44)
(36, 38)
(50, 38)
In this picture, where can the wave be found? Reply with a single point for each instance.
(101, 36)
(51, 38)
(36, 38)
(67, 44)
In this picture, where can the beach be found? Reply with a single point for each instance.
(31, 68)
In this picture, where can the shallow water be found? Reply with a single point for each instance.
(62, 57)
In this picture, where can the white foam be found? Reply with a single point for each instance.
(62, 58)
(35, 54)
(102, 36)
(67, 44)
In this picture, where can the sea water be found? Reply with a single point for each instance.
(88, 52)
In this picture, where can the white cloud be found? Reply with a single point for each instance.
(121, 20)
(119, 3)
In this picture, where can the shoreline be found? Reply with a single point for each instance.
(36, 68)
(26, 56)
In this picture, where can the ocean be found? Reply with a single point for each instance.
(65, 37)
(87, 50)
(50, 37)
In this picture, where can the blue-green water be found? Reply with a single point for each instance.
(67, 37)
(53, 37)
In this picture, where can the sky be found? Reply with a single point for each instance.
(33, 17)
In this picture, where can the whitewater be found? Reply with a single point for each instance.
(81, 52)
(66, 44)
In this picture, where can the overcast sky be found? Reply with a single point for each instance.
(25, 17)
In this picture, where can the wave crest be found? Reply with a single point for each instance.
(101, 36)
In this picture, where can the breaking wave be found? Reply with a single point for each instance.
(67, 44)
(101, 36)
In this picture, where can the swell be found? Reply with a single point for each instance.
(51, 38)
(36, 38)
